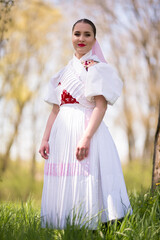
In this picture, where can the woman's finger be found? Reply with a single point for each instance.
(43, 153)
(78, 154)
(82, 153)
(47, 149)
(77, 150)
(86, 152)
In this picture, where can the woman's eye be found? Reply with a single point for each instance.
(77, 34)
(86, 35)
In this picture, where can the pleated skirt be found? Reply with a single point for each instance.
(81, 192)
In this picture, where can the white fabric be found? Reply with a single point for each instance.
(96, 183)
(102, 79)
(51, 95)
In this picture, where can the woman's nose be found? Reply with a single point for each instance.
(81, 37)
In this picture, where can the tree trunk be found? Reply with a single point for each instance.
(156, 155)
(33, 166)
(148, 147)
(5, 156)
(33, 159)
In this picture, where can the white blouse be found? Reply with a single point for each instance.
(100, 79)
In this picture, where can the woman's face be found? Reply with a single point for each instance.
(82, 38)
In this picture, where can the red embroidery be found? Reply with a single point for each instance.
(67, 98)
(88, 63)
(59, 83)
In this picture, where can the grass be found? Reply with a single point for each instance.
(20, 215)
(22, 221)
(17, 184)
(138, 175)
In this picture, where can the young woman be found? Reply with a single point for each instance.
(82, 174)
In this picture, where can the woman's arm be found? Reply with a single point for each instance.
(94, 122)
(44, 148)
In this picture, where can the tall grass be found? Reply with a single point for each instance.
(17, 184)
(22, 222)
(138, 175)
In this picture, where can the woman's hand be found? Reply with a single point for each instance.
(94, 122)
(83, 148)
(44, 149)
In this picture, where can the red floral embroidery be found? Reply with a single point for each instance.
(67, 98)
(88, 63)
(59, 83)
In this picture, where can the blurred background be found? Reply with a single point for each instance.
(35, 42)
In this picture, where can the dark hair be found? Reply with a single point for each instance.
(84, 20)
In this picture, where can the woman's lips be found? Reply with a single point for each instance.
(81, 45)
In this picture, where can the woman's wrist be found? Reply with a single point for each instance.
(87, 136)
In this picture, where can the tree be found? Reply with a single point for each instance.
(156, 155)
(25, 54)
(5, 19)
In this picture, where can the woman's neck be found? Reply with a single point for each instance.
(79, 56)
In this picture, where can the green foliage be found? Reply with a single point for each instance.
(23, 221)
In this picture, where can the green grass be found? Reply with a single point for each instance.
(20, 217)
(17, 184)
(138, 175)
(22, 221)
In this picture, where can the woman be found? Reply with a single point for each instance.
(82, 173)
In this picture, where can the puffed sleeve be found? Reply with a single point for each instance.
(102, 79)
(52, 95)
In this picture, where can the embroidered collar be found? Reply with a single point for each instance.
(88, 63)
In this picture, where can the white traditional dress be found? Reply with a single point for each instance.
(94, 188)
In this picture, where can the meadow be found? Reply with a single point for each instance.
(20, 213)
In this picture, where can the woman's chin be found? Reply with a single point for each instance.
(81, 52)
